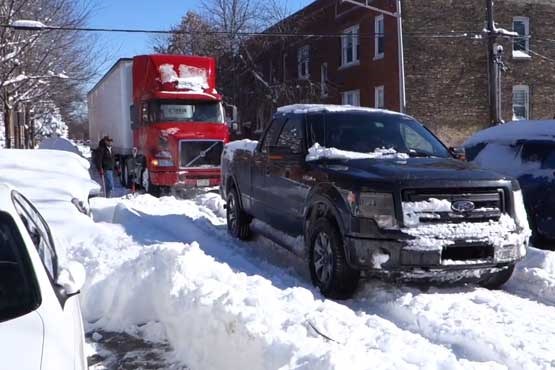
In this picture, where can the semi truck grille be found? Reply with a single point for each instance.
(200, 153)
(487, 204)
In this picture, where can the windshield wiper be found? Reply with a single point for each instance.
(419, 153)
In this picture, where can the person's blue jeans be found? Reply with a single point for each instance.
(109, 182)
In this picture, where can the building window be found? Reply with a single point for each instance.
(379, 97)
(284, 66)
(379, 37)
(324, 80)
(521, 102)
(521, 45)
(351, 98)
(303, 57)
(350, 46)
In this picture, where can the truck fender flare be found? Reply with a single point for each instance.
(232, 181)
(333, 203)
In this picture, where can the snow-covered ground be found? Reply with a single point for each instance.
(165, 271)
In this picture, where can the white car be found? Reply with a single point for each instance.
(40, 319)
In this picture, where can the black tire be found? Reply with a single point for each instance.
(497, 279)
(327, 263)
(238, 222)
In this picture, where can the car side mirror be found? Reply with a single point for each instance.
(458, 152)
(71, 279)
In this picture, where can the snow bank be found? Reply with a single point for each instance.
(245, 144)
(218, 318)
(59, 143)
(535, 276)
(316, 152)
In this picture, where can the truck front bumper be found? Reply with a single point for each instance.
(187, 178)
(396, 258)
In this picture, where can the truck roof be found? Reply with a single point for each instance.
(166, 76)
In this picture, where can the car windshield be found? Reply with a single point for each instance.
(365, 132)
(17, 285)
(180, 111)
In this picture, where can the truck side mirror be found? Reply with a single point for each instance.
(458, 152)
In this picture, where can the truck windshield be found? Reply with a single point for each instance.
(188, 111)
(363, 132)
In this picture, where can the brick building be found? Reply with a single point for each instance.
(445, 81)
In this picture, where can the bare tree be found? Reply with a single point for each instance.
(40, 65)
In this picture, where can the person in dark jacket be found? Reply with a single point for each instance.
(106, 164)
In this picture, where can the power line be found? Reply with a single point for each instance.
(451, 34)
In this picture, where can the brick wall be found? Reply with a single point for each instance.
(446, 79)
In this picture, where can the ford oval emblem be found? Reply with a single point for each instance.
(463, 206)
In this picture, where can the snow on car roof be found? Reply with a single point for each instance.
(513, 131)
(309, 108)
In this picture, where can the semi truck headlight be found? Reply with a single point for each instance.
(377, 206)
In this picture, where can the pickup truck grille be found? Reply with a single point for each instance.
(200, 153)
(489, 204)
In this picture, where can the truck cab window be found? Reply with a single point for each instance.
(271, 134)
(291, 136)
(187, 111)
(316, 129)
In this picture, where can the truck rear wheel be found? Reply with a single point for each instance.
(497, 279)
(238, 222)
(327, 263)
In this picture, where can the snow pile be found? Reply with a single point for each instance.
(59, 143)
(317, 152)
(191, 78)
(231, 147)
(310, 108)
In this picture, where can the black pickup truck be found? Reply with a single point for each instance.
(374, 192)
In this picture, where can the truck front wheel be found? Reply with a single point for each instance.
(497, 279)
(238, 222)
(328, 267)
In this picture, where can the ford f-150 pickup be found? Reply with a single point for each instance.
(374, 192)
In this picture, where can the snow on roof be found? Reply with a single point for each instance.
(308, 108)
(189, 77)
(511, 132)
(27, 24)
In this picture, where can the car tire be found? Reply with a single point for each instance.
(497, 279)
(238, 222)
(327, 263)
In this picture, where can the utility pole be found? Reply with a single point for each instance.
(493, 75)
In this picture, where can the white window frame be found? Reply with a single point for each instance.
(350, 34)
(379, 97)
(354, 94)
(303, 59)
(526, 90)
(379, 34)
(522, 54)
(323, 80)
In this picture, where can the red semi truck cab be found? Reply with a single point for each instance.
(178, 120)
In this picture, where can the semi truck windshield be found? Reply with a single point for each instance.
(189, 112)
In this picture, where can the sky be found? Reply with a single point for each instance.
(142, 14)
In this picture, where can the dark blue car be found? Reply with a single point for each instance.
(525, 150)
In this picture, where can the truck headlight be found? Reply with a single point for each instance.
(377, 206)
